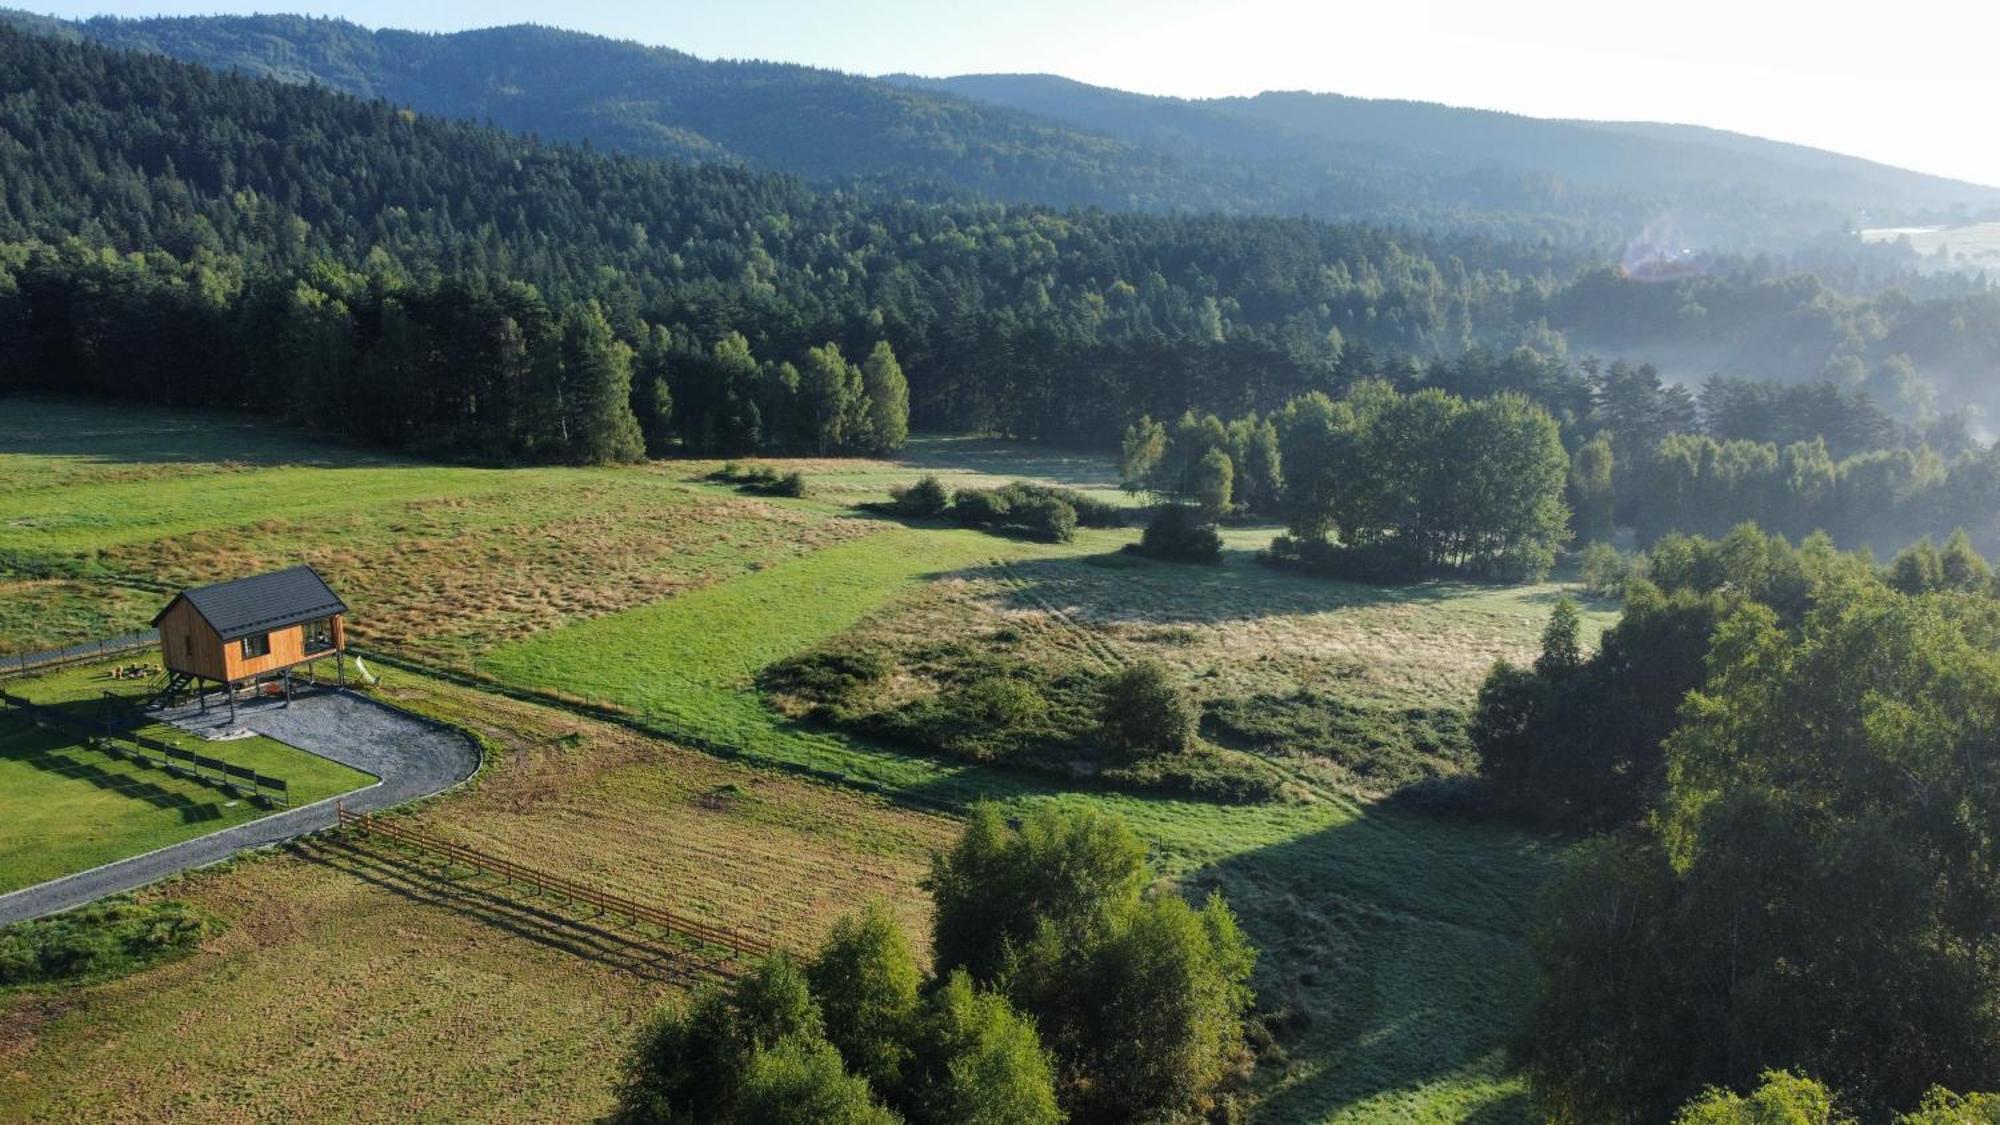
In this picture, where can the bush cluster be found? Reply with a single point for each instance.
(1180, 534)
(1386, 563)
(761, 480)
(105, 939)
(1035, 511)
(994, 706)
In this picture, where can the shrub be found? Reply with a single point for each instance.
(1179, 534)
(926, 499)
(1143, 711)
(106, 939)
(996, 701)
(980, 507)
(1604, 571)
(1048, 519)
(833, 679)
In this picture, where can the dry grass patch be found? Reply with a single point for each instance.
(456, 576)
(1236, 629)
(37, 614)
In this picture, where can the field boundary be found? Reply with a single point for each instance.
(238, 781)
(736, 943)
(85, 653)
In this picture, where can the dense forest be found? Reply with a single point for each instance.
(173, 235)
(1038, 139)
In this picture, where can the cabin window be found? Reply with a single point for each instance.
(319, 635)
(187, 644)
(256, 645)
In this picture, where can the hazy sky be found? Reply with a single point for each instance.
(1914, 83)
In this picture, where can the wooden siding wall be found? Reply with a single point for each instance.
(216, 659)
(182, 630)
(288, 647)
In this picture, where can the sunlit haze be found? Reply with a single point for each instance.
(1911, 85)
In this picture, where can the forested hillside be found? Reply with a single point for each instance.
(172, 235)
(1726, 190)
(1039, 139)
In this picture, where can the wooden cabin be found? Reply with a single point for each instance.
(237, 633)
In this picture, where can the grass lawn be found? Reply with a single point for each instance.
(65, 807)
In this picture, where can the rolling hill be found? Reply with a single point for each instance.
(1039, 138)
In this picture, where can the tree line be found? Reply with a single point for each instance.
(162, 225)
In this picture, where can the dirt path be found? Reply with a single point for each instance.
(412, 757)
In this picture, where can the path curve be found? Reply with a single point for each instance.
(413, 756)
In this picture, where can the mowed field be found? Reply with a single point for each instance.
(1393, 954)
(66, 806)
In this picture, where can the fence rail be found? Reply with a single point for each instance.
(746, 945)
(50, 659)
(200, 768)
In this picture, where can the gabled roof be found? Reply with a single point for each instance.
(261, 602)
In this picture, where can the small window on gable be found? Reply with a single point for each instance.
(256, 645)
(187, 644)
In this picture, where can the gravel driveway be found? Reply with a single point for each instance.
(414, 758)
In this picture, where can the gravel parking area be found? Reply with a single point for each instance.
(413, 758)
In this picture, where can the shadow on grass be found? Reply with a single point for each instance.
(112, 434)
(547, 922)
(1393, 953)
(998, 457)
(62, 765)
(1157, 592)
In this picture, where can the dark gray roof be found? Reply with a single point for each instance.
(262, 602)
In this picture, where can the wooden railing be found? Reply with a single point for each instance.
(745, 945)
(238, 781)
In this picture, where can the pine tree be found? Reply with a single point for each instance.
(597, 379)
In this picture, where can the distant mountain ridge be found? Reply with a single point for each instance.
(1040, 138)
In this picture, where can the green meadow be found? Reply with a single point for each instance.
(1393, 966)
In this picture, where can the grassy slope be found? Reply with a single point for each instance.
(1395, 939)
(65, 807)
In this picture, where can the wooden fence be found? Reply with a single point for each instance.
(239, 781)
(739, 944)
